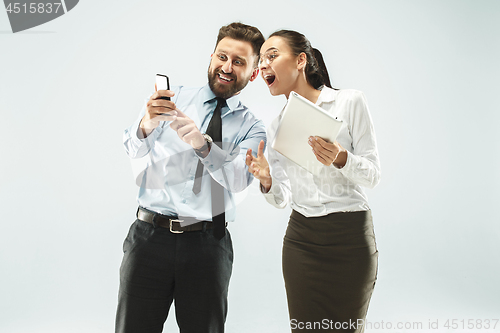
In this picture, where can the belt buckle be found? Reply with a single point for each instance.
(175, 231)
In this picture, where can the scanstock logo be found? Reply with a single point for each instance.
(28, 14)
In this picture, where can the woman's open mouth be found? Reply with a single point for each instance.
(269, 79)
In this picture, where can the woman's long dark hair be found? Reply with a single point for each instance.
(316, 72)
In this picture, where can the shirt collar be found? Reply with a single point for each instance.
(327, 95)
(208, 96)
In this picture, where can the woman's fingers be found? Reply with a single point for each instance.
(321, 158)
(326, 150)
(260, 152)
(249, 157)
(257, 166)
(324, 144)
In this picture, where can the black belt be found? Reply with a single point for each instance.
(171, 222)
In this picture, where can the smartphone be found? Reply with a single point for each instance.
(162, 83)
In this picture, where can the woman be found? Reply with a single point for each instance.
(329, 251)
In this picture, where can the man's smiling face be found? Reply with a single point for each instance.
(231, 67)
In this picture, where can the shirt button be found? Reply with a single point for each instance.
(184, 201)
(211, 166)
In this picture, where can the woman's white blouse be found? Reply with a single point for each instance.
(334, 190)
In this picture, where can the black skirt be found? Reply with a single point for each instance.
(330, 268)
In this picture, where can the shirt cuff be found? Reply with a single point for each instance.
(215, 158)
(273, 193)
(348, 163)
(137, 141)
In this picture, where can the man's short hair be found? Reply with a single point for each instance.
(245, 33)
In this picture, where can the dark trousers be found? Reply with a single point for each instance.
(330, 268)
(192, 269)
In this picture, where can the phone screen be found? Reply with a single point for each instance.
(162, 83)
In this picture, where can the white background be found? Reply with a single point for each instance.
(68, 88)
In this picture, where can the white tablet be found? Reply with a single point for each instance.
(300, 120)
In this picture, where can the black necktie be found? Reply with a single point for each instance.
(214, 129)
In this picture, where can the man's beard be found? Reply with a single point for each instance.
(222, 90)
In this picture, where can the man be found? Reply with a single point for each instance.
(178, 249)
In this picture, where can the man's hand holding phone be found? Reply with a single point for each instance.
(157, 110)
(159, 107)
